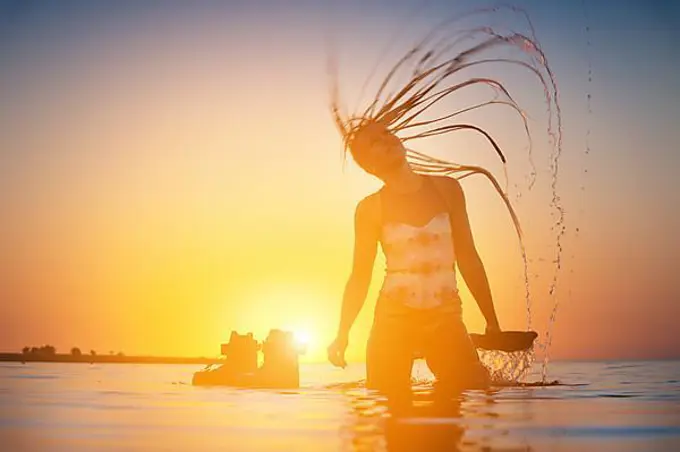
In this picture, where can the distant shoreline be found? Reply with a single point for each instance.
(98, 359)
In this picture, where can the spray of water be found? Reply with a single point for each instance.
(431, 67)
(507, 367)
(560, 226)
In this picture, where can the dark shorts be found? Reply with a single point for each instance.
(398, 336)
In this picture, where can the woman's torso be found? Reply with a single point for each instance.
(415, 235)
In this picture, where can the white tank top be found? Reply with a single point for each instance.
(420, 261)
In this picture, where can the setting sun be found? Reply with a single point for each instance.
(302, 338)
(303, 341)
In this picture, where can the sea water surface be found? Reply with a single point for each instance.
(602, 406)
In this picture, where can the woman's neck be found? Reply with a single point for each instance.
(404, 181)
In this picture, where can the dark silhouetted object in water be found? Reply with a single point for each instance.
(505, 341)
(280, 368)
(241, 352)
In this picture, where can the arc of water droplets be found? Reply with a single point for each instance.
(553, 314)
(424, 96)
(511, 367)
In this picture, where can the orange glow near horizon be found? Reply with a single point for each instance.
(166, 191)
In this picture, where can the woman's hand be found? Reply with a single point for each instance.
(336, 352)
(493, 328)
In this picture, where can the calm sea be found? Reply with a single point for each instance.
(601, 406)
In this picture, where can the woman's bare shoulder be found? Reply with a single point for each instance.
(447, 182)
(450, 189)
(368, 208)
(444, 181)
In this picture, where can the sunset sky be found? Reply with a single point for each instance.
(169, 171)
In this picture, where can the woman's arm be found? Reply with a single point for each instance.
(366, 237)
(469, 262)
(365, 246)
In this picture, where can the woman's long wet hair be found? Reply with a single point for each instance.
(437, 73)
(437, 66)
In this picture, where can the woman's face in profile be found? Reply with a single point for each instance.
(378, 151)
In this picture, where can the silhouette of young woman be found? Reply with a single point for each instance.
(422, 226)
(419, 217)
